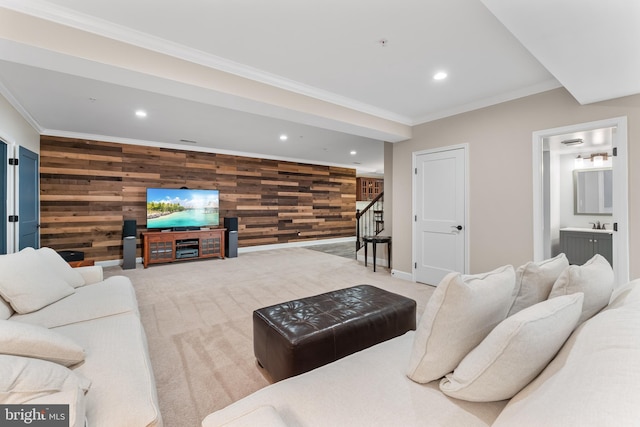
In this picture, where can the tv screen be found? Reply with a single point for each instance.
(182, 208)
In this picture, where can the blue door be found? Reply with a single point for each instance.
(3, 197)
(29, 204)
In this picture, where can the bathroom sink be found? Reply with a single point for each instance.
(587, 230)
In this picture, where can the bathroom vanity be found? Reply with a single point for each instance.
(580, 244)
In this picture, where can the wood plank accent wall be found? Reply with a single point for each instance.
(87, 189)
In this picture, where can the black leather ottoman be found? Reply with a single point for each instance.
(301, 335)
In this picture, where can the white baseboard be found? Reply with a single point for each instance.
(402, 275)
(296, 244)
(116, 262)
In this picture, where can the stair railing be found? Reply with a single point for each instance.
(370, 221)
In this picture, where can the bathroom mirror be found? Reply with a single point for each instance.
(593, 191)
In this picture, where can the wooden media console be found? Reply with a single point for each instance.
(171, 246)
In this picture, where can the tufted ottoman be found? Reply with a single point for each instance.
(301, 335)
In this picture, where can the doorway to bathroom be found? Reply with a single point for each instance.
(580, 186)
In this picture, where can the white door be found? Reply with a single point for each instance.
(439, 214)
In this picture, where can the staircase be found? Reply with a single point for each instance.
(370, 221)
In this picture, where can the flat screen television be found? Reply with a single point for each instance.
(173, 208)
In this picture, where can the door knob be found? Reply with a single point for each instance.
(457, 227)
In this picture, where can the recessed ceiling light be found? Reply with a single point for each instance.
(141, 113)
(353, 152)
(440, 75)
(283, 137)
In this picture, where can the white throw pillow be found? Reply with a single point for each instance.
(27, 381)
(60, 267)
(594, 278)
(459, 315)
(22, 339)
(534, 281)
(28, 284)
(592, 381)
(515, 352)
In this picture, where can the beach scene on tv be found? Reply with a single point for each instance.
(168, 208)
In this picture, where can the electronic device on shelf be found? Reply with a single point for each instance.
(187, 253)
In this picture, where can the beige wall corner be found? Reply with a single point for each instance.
(14, 129)
(500, 173)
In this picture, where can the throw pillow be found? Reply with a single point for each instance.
(534, 281)
(459, 315)
(26, 285)
(594, 278)
(515, 352)
(34, 381)
(60, 267)
(592, 381)
(625, 295)
(22, 339)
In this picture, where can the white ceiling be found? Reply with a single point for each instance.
(234, 75)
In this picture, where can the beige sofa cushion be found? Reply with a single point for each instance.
(625, 295)
(60, 267)
(21, 339)
(515, 352)
(123, 391)
(5, 309)
(367, 388)
(592, 382)
(114, 295)
(91, 273)
(263, 416)
(594, 278)
(30, 381)
(534, 281)
(26, 284)
(459, 315)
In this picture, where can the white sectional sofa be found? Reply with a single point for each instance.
(67, 336)
(544, 345)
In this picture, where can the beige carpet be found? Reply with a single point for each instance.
(197, 316)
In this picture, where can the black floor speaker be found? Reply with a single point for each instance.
(231, 224)
(129, 244)
(231, 237)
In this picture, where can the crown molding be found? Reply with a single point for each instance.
(47, 11)
(487, 102)
(4, 91)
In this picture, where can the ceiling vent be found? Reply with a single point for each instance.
(575, 141)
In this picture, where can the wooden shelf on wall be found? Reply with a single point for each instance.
(368, 188)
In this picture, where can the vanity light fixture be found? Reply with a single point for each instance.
(578, 162)
(598, 159)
